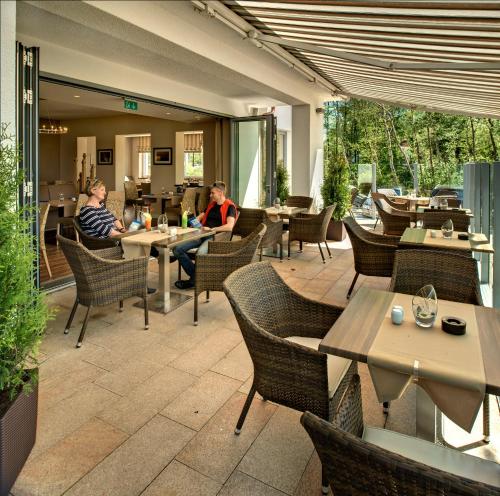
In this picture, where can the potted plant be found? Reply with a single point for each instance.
(335, 189)
(282, 191)
(23, 316)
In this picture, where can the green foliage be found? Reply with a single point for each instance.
(23, 312)
(368, 132)
(335, 187)
(282, 190)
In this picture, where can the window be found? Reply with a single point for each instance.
(144, 164)
(193, 164)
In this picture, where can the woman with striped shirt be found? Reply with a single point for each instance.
(95, 219)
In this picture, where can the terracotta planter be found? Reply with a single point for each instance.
(17, 437)
(336, 231)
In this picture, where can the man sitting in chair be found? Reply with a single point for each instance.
(220, 215)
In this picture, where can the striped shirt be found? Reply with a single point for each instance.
(97, 222)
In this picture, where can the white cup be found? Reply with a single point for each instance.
(397, 314)
(433, 233)
(172, 231)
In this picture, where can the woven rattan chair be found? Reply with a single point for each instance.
(91, 242)
(435, 219)
(115, 203)
(373, 253)
(396, 204)
(203, 197)
(299, 201)
(222, 259)
(358, 460)
(131, 193)
(311, 228)
(102, 277)
(44, 212)
(394, 221)
(282, 331)
(250, 218)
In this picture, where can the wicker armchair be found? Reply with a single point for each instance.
(223, 258)
(44, 212)
(282, 331)
(115, 203)
(299, 201)
(250, 218)
(102, 277)
(373, 253)
(394, 221)
(311, 228)
(392, 202)
(91, 242)
(358, 460)
(131, 193)
(203, 198)
(435, 219)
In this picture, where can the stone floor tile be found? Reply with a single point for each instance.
(179, 480)
(124, 378)
(69, 414)
(66, 462)
(310, 482)
(195, 406)
(236, 364)
(132, 467)
(280, 453)
(401, 417)
(373, 414)
(240, 484)
(204, 355)
(186, 336)
(215, 451)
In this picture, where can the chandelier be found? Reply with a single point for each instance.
(48, 126)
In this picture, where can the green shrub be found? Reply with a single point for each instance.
(282, 190)
(335, 187)
(23, 312)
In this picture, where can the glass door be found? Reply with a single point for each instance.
(253, 161)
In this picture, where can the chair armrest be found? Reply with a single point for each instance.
(224, 247)
(113, 253)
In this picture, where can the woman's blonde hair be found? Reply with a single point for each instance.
(95, 183)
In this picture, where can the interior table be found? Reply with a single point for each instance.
(354, 332)
(65, 207)
(164, 300)
(285, 212)
(415, 237)
(414, 201)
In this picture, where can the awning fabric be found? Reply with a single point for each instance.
(368, 36)
(193, 142)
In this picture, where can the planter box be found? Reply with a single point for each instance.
(336, 231)
(17, 437)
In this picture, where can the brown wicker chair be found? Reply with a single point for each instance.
(396, 204)
(282, 331)
(358, 460)
(299, 201)
(373, 253)
(394, 221)
(91, 242)
(131, 193)
(44, 212)
(102, 277)
(203, 198)
(223, 258)
(115, 203)
(311, 228)
(250, 218)
(435, 219)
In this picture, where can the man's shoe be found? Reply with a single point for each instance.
(184, 284)
(151, 290)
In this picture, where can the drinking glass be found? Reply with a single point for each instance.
(425, 306)
(163, 223)
(447, 229)
(61, 196)
(419, 223)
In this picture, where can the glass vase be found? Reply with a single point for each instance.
(163, 223)
(425, 306)
(447, 229)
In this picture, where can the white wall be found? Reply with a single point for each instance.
(249, 164)
(8, 63)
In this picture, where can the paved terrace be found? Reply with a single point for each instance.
(152, 413)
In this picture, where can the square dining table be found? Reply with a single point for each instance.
(164, 300)
(353, 334)
(285, 212)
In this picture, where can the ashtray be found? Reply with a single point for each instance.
(463, 236)
(453, 325)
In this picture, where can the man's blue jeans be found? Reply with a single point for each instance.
(180, 252)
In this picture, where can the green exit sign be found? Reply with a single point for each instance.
(130, 104)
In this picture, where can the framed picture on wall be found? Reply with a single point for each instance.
(105, 157)
(162, 156)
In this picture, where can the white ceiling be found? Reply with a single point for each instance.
(58, 102)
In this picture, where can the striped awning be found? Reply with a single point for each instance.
(193, 142)
(426, 54)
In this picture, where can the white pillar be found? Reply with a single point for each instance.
(8, 64)
(307, 150)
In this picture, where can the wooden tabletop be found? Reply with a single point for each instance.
(422, 238)
(62, 203)
(355, 330)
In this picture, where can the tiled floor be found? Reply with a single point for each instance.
(153, 412)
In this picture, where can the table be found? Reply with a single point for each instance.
(163, 198)
(354, 332)
(423, 209)
(414, 237)
(164, 301)
(61, 206)
(413, 201)
(286, 212)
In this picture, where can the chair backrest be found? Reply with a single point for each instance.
(203, 196)
(189, 200)
(115, 203)
(326, 216)
(393, 224)
(44, 212)
(299, 201)
(81, 202)
(248, 220)
(393, 204)
(436, 218)
(91, 242)
(354, 192)
(130, 189)
(43, 193)
(453, 276)
(355, 467)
